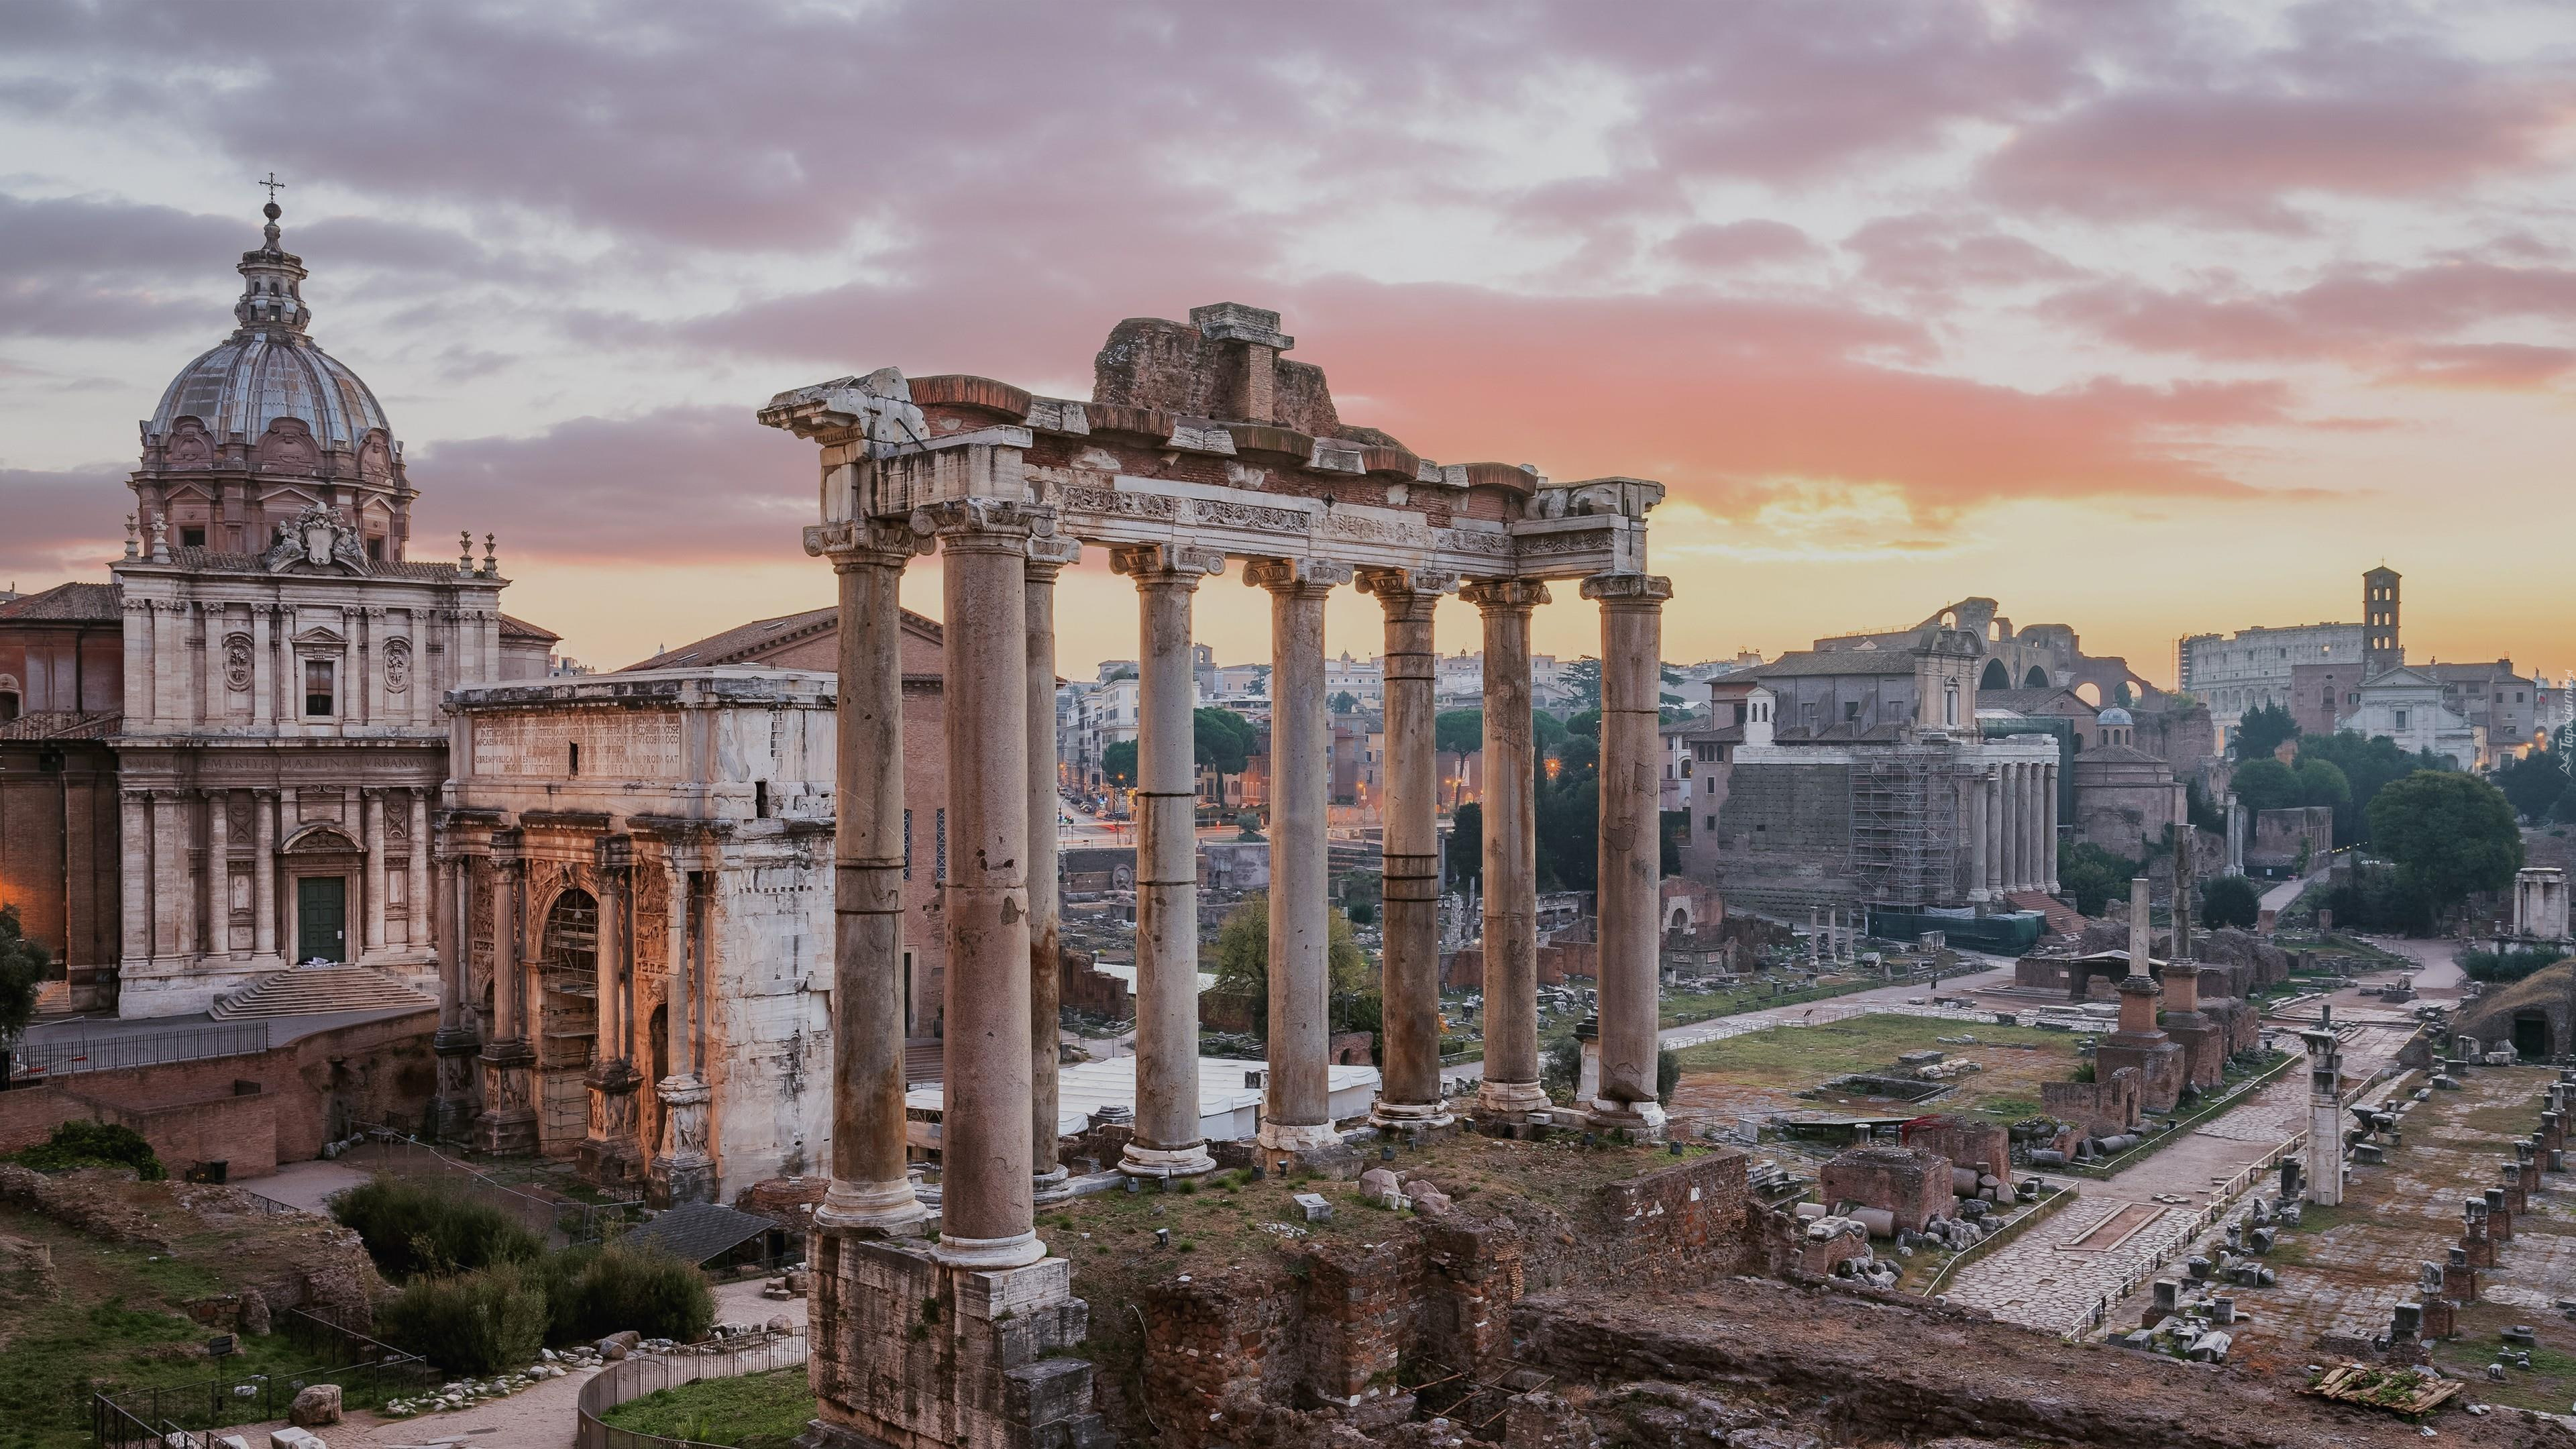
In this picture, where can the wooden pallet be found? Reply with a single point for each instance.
(2381, 1388)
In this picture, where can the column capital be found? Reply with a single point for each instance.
(1632, 590)
(863, 543)
(976, 524)
(1396, 587)
(1505, 595)
(1167, 563)
(1050, 553)
(1296, 575)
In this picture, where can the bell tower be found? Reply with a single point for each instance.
(2380, 649)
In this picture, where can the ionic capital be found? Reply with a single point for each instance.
(1636, 591)
(1315, 576)
(1166, 563)
(1394, 587)
(983, 525)
(1050, 553)
(864, 543)
(1505, 595)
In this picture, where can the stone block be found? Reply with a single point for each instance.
(315, 1406)
(1912, 1186)
(291, 1438)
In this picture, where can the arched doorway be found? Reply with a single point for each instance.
(2531, 1036)
(2037, 678)
(567, 1030)
(1995, 677)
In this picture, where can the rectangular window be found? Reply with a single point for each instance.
(317, 688)
(939, 857)
(1851, 709)
(907, 845)
(1711, 824)
(760, 799)
(572, 759)
(2401, 719)
(192, 538)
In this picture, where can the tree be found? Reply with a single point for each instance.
(2323, 782)
(1345, 702)
(1569, 829)
(2368, 764)
(2264, 783)
(22, 968)
(1242, 961)
(2262, 730)
(1587, 723)
(2534, 784)
(2092, 875)
(1676, 834)
(1546, 730)
(1118, 762)
(1467, 843)
(2203, 811)
(2449, 833)
(1458, 733)
(2230, 900)
(1582, 679)
(1222, 741)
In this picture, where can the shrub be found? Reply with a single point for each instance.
(594, 1292)
(1668, 1074)
(2230, 900)
(83, 1143)
(469, 1323)
(413, 1226)
(2498, 967)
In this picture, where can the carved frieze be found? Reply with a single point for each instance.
(237, 663)
(398, 666)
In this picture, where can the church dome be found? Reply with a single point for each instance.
(2114, 716)
(269, 369)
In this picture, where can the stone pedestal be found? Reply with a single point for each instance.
(682, 1171)
(455, 1047)
(508, 1126)
(907, 1352)
(2138, 1044)
(609, 1154)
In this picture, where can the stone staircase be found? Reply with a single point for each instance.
(317, 990)
(2063, 919)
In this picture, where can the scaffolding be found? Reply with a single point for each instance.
(1904, 814)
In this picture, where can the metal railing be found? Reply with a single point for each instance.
(365, 1370)
(635, 1377)
(403, 1155)
(41, 1060)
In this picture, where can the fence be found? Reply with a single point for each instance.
(404, 1155)
(635, 1377)
(366, 1371)
(38, 1060)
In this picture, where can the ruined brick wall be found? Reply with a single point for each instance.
(1967, 1142)
(1080, 988)
(1910, 1183)
(2101, 1108)
(239, 1130)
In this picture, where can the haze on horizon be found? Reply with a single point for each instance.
(2146, 318)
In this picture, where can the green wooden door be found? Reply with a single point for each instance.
(321, 918)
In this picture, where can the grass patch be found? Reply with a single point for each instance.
(1785, 1059)
(756, 1411)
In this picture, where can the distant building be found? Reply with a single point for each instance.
(2406, 705)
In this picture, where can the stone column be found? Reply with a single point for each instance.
(1047, 558)
(263, 676)
(344, 684)
(2016, 827)
(134, 873)
(1409, 1092)
(509, 1121)
(173, 874)
(373, 804)
(454, 1042)
(263, 872)
(682, 1171)
(135, 631)
(1168, 1141)
(1510, 1089)
(871, 1189)
(987, 1207)
(416, 917)
(1973, 808)
(1297, 1114)
(1990, 789)
(192, 662)
(2031, 872)
(2048, 828)
(610, 1151)
(1630, 847)
(219, 872)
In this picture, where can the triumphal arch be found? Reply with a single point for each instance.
(1202, 448)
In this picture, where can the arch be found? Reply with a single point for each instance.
(2037, 678)
(569, 941)
(2090, 693)
(316, 837)
(1995, 677)
(1681, 919)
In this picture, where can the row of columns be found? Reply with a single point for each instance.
(2012, 814)
(178, 663)
(170, 911)
(998, 573)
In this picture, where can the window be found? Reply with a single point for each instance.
(8, 706)
(376, 549)
(759, 798)
(317, 688)
(573, 764)
(1851, 709)
(1686, 764)
(1739, 713)
(1711, 823)
(907, 845)
(2401, 719)
(192, 538)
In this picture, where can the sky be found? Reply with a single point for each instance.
(2146, 318)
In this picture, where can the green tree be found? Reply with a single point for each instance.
(2262, 730)
(2368, 765)
(1345, 702)
(1458, 733)
(2203, 811)
(1546, 730)
(1467, 843)
(2092, 875)
(1587, 723)
(2449, 833)
(1582, 679)
(2265, 783)
(2323, 782)
(1222, 741)
(23, 964)
(1242, 959)
(1569, 829)
(2230, 900)
(2534, 784)
(1118, 763)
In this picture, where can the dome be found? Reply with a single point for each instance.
(269, 368)
(2113, 716)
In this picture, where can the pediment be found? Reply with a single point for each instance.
(319, 634)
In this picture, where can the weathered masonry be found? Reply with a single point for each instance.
(1200, 444)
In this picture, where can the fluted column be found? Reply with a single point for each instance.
(416, 931)
(263, 872)
(1298, 1115)
(1630, 847)
(1047, 558)
(2048, 828)
(987, 1205)
(871, 1189)
(611, 1151)
(134, 873)
(219, 872)
(1168, 1141)
(136, 631)
(192, 662)
(263, 666)
(509, 1120)
(2016, 831)
(2034, 807)
(374, 808)
(1510, 810)
(1990, 831)
(1409, 1089)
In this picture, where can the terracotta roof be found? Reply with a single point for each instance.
(62, 725)
(68, 603)
(2117, 755)
(1838, 661)
(216, 561)
(2030, 701)
(746, 641)
(516, 628)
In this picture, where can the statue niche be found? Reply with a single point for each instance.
(288, 447)
(189, 446)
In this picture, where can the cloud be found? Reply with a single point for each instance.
(1751, 242)
(1951, 255)
(78, 267)
(66, 521)
(2499, 366)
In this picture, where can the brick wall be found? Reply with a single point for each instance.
(1083, 989)
(1912, 1184)
(238, 1129)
